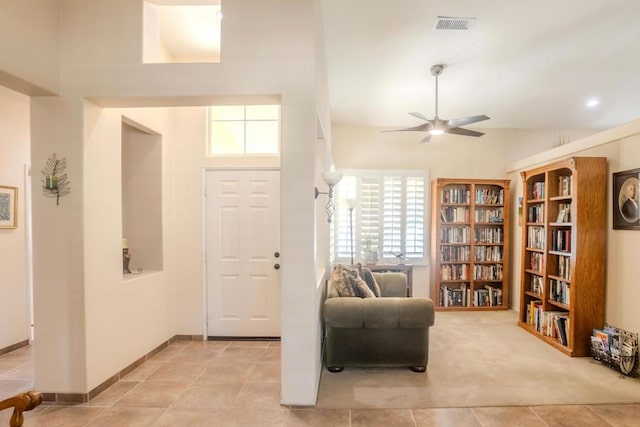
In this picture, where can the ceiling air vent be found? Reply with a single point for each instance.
(447, 23)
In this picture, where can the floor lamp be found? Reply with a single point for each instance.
(351, 204)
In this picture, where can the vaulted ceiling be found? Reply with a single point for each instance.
(530, 65)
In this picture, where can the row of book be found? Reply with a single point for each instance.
(559, 291)
(487, 271)
(564, 267)
(454, 272)
(454, 214)
(488, 297)
(463, 296)
(455, 195)
(488, 196)
(454, 253)
(535, 237)
(488, 253)
(561, 240)
(536, 261)
(535, 284)
(564, 212)
(554, 324)
(564, 185)
(489, 235)
(535, 213)
(462, 254)
(537, 191)
(489, 215)
(455, 234)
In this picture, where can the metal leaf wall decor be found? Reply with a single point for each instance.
(55, 183)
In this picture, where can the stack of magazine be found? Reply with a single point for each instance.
(616, 348)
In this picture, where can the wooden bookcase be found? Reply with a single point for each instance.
(564, 224)
(470, 244)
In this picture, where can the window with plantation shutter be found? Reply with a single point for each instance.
(388, 217)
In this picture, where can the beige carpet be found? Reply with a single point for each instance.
(480, 359)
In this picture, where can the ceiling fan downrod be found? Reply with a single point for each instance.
(436, 70)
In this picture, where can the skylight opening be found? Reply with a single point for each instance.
(179, 31)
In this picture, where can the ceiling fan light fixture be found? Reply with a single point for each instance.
(437, 126)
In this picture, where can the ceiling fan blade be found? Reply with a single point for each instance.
(463, 131)
(463, 121)
(425, 139)
(421, 128)
(419, 116)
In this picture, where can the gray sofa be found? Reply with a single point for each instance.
(374, 332)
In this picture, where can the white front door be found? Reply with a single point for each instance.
(242, 253)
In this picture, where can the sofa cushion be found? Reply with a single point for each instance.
(381, 315)
(378, 313)
(343, 312)
(416, 313)
(392, 284)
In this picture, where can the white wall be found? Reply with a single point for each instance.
(268, 51)
(58, 248)
(14, 155)
(29, 46)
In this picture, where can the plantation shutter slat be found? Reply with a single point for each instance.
(392, 216)
(389, 215)
(414, 234)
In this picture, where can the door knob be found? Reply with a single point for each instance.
(276, 266)
(276, 254)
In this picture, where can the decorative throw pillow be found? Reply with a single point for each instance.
(341, 282)
(348, 283)
(367, 276)
(360, 286)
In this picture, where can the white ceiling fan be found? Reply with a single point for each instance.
(438, 126)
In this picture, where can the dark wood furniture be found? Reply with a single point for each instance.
(564, 233)
(470, 244)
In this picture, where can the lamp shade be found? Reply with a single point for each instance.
(331, 177)
(350, 203)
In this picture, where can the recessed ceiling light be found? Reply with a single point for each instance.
(593, 102)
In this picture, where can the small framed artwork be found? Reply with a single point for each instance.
(8, 207)
(626, 212)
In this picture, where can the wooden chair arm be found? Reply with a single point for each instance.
(20, 403)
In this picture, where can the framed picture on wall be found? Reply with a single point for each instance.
(626, 189)
(8, 207)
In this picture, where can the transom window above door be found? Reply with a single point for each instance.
(243, 129)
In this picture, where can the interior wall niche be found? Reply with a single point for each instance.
(142, 196)
(181, 31)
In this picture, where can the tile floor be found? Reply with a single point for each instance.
(237, 383)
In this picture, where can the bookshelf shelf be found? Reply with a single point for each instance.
(470, 244)
(562, 298)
